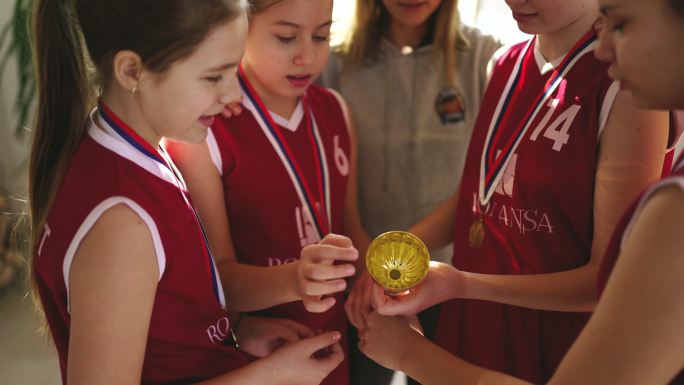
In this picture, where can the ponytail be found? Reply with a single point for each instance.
(73, 37)
(64, 99)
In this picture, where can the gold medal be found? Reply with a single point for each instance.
(476, 234)
(397, 260)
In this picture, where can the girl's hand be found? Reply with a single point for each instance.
(260, 336)
(388, 340)
(319, 277)
(359, 304)
(298, 363)
(442, 282)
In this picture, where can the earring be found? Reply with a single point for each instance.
(135, 88)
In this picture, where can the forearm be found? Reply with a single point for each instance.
(437, 229)
(249, 288)
(246, 375)
(255, 373)
(571, 290)
(431, 365)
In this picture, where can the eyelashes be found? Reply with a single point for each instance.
(214, 79)
(290, 39)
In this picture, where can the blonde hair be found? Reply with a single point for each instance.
(372, 19)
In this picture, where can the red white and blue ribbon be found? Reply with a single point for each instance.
(493, 163)
(319, 217)
(137, 142)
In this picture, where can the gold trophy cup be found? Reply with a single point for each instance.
(397, 261)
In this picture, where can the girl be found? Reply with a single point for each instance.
(414, 78)
(281, 175)
(634, 336)
(122, 268)
(557, 154)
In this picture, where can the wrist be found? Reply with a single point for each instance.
(459, 283)
(407, 356)
(293, 283)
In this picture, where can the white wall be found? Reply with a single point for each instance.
(493, 17)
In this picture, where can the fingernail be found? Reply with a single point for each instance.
(336, 336)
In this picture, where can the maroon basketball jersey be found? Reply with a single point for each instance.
(623, 229)
(537, 216)
(189, 328)
(269, 222)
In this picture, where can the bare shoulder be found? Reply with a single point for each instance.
(625, 115)
(114, 275)
(656, 231)
(119, 242)
(665, 209)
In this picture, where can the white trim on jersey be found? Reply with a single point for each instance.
(343, 106)
(678, 126)
(543, 65)
(89, 222)
(290, 124)
(608, 101)
(491, 64)
(109, 139)
(214, 151)
(677, 181)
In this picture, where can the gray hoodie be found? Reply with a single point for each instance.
(413, 129)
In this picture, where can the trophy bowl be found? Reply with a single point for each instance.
(397, 260)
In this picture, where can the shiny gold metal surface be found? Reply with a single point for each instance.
(397, 260)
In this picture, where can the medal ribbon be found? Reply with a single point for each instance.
(136, 141)
(320, 218)
(492, 166)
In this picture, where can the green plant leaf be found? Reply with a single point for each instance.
(16, 37)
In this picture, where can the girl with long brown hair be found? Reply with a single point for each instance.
(123, 269)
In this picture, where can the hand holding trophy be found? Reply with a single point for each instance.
(397, 261)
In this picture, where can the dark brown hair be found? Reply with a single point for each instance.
(677, 6)
(76, 39)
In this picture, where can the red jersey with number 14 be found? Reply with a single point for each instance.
(540, 216)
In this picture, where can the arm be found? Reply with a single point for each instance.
(206, 189)
(436, 230)
(394, 344)
(631, 153)
(309, 279)
(114, 274)
(634, 336)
